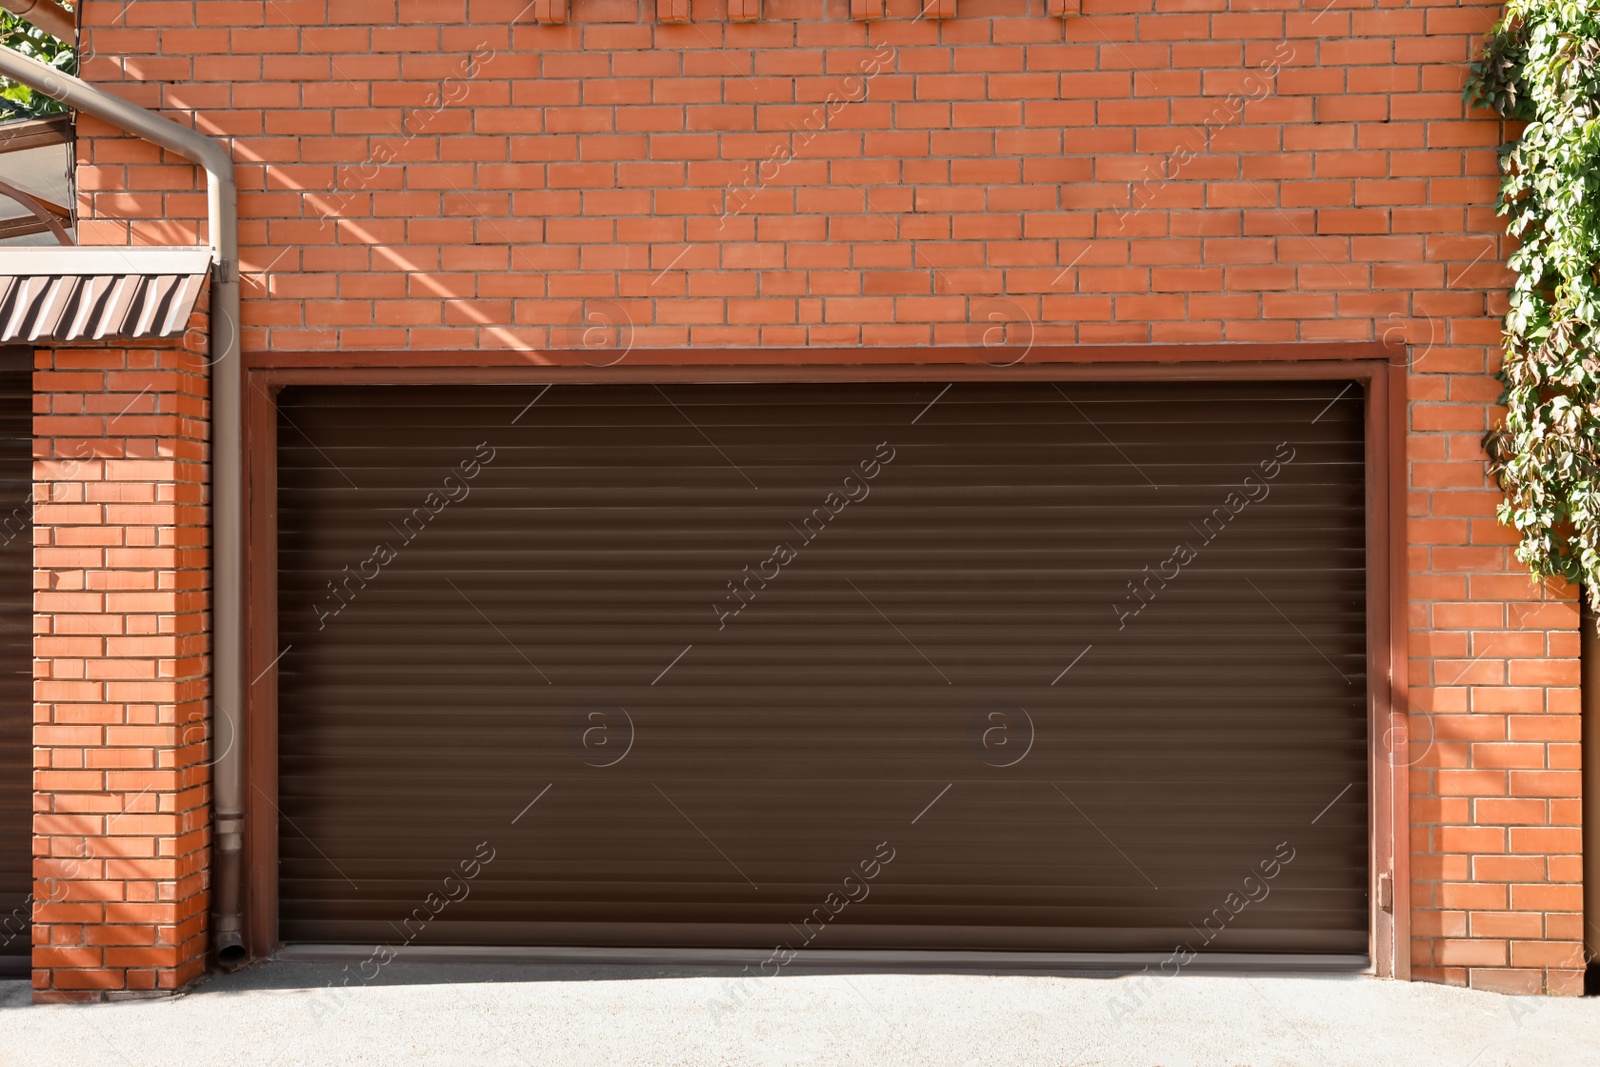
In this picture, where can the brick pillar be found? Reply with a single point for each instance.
(122, 786)
(1497, 893)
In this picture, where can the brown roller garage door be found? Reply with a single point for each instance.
(883, 665)
(16, 655)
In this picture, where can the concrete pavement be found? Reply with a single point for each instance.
(286, 1014)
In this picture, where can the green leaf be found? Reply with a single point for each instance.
(1541, 64)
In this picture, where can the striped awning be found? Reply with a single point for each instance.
(105, 293)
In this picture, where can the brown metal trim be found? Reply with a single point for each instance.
(46, 214)
(35, 133)
(1377, 670)
(884, 960)
(1360, 369)
(1387, 735)
(663, 364)
(1398, 802)
(80, 306)
(21, 226)
(260, 727)
(1379, 367)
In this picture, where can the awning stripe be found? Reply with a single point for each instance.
(76, 294)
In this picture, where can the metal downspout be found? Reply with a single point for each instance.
(227, 497)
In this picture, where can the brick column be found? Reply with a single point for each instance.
(1497, 892)
(122, 786)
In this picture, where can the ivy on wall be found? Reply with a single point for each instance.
(1541, 66)
(19, 101)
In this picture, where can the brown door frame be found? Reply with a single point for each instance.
(1380, 368)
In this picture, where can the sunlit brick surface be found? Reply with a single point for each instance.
(439, 175)
(120, 677)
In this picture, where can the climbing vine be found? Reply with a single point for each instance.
(19, 101)
(1541, 66)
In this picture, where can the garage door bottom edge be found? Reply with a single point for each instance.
(869, 959)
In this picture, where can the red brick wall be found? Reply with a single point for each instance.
(120, 671)
(1496, 854)
(1155, 171)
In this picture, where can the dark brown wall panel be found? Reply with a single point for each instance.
(16, 651)
(953, 668)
